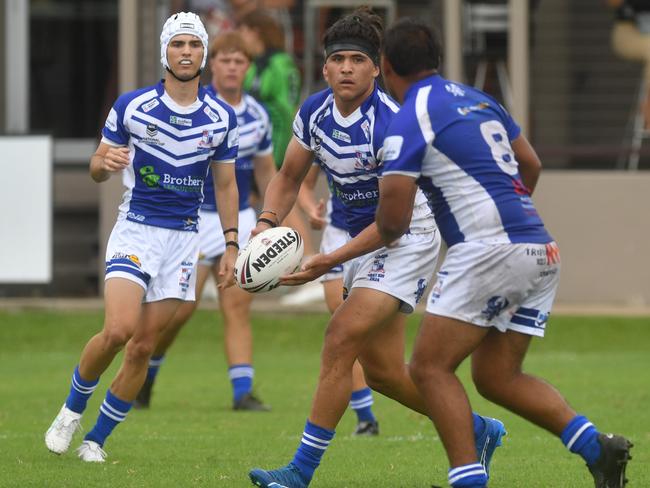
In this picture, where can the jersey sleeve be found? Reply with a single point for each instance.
(301, 126)
(229, 146)
(115, 132)
(512, 128)
(405, 144)
(265, 145)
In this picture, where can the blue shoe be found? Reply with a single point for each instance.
(286, 477)
(488, 441)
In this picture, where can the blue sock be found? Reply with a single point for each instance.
(468, 476)
(581, 437)
(361, 402)
(312, 446)
(241, 378)
(80, 391)
(112, 412)
(155, 362)
(479, 425)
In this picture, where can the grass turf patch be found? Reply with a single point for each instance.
(191, 437)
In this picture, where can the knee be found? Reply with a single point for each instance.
(338, 339)
(139, 351)
(115, 338)
(418, 371)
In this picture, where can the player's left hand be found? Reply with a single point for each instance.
(316, 266)
(227, 268)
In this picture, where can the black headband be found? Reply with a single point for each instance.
(353, 45)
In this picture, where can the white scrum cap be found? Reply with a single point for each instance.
(182, 23)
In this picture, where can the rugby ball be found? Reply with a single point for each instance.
(267, 256)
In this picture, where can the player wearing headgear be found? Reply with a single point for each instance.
(228, 60)
(161, 139)
(343, 128)
(497, 283)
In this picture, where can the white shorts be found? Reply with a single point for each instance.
(213, 242)
(160, 260)
(332, 239)
(507, 286)
(402, 270)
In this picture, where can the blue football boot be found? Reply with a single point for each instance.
(287, 477)
(488, 441)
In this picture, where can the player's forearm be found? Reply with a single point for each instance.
(227, 196)
(307, 200)
(263, 177)
(281, 195)
(97, 173)
(366, 241)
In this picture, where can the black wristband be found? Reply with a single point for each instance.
(232, 229)
(267, 221)
(233, 244)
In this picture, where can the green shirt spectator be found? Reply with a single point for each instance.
(273, 78)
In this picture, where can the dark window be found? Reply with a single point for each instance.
(73, 65)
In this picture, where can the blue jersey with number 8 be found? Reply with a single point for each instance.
(456, 141)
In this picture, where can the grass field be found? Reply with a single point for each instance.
(190, 437)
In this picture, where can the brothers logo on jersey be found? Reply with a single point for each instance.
(341, 136)
(149, 176)
(173, 119)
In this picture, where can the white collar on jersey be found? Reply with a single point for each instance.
(179, 109)
(346, 121)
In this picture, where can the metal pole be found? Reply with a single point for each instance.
(518, 61)
(110, 192)
(17, 66)
(453, 60)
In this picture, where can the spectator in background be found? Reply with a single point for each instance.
(274, 80)
(631, 40)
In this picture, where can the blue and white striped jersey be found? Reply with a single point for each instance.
(255, 135)
(335, 207)
(170, 148)
(347, 148)
(456, 141)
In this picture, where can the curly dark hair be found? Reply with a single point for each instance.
(363, 24)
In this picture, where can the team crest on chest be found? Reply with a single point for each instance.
(204, 144)
(364, 161)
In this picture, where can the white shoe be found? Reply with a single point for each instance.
(91, 452)
(307, 293)
(59, 436)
